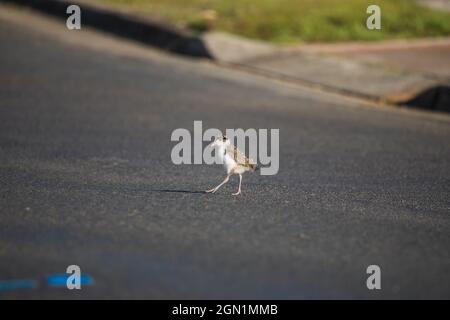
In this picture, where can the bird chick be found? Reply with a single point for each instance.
(234, 161)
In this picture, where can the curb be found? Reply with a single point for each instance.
(216, 46)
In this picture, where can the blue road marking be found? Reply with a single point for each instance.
(60, 280)
(18, 284)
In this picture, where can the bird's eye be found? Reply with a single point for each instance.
(225, 138)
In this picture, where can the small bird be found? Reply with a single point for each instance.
(234, 161)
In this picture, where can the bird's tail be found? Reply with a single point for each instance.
(253, 167)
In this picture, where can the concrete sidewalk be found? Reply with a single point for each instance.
(394, 71)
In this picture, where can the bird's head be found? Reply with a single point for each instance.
(221, 141)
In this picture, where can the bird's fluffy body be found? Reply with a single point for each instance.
(230, 162)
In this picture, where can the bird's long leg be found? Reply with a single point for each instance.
(217, 188)
(239, 190)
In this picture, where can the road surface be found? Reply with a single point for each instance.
(86, 178)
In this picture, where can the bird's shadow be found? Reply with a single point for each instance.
(177, 191)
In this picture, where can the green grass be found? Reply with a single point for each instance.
(291, 21)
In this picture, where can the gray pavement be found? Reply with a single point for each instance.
(430, 60)
(86, 179)
(391, 71)
(344, 74)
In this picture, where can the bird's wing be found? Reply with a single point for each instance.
(238, 156)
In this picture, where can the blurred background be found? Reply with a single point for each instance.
(324, 42)
(295, 21)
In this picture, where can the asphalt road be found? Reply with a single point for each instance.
(86, 179)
